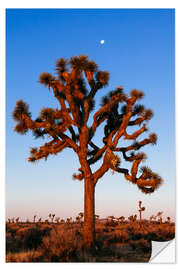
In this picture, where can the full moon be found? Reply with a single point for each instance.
(102, 41)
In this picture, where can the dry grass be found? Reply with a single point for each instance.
(28, 256)
(123, 242)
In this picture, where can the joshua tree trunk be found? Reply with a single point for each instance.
(89, 212)
(140, 216)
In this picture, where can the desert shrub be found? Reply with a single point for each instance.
(114, 239)
(12, 244)
(102, 246)
(144, 245)
(26, 238)
(151, 236)
(118, 236)
(105, 230)
(137, 236)
(111, 223)
(130, 229)
(99, 230)
(28, 256)
(67, 246)
(11, 230)
(160, 232)
(140, 244)
(62, 246)
(33, 238)
(124, 237)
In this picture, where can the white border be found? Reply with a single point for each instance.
(70, 4)
(2, 136)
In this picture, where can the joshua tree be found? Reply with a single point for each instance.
(112, 218)
(141, 209)
(75, 86)
(34, 218)
(121, 219)
(52, 218)
(78, 219)
(68, 220)
(159, 214)
(17, 220)
(160, 220)
(152, 218)
(168, 219)
(62, 221)
(57, 219)
(81, 215)
(12, 220)
(39, 220)
(132, 218)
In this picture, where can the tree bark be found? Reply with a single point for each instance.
(89, 212)
(140, 216)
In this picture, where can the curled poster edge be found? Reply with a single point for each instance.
(163, 252)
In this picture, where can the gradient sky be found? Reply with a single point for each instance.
(139, 53)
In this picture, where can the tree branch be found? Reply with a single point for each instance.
(102, 113)
(136, 134)
(100, 172)
(70, 142)
(137, 145)
(52, 147)
(98, 154)
(125, 120)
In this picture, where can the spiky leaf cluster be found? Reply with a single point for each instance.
(79, 62)
(46, 78)
(21, 109)
(102, 77)
(138, 109)
(149, 181)
(137, 94)
(47, 114)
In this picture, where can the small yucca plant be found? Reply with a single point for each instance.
(132, 218)
(159, 215)
(121, 219)
(57, 219)
(34, 218)
(52, 218)
(141, 209)
(153, 217)
(39, 220)
(17, 220)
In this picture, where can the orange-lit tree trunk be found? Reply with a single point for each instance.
(89, 190)
(140, 216)
(89, 212)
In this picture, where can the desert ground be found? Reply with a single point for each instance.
(125, 241)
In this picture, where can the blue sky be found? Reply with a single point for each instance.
(139, 53)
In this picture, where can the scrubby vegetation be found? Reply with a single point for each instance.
(55, 240)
